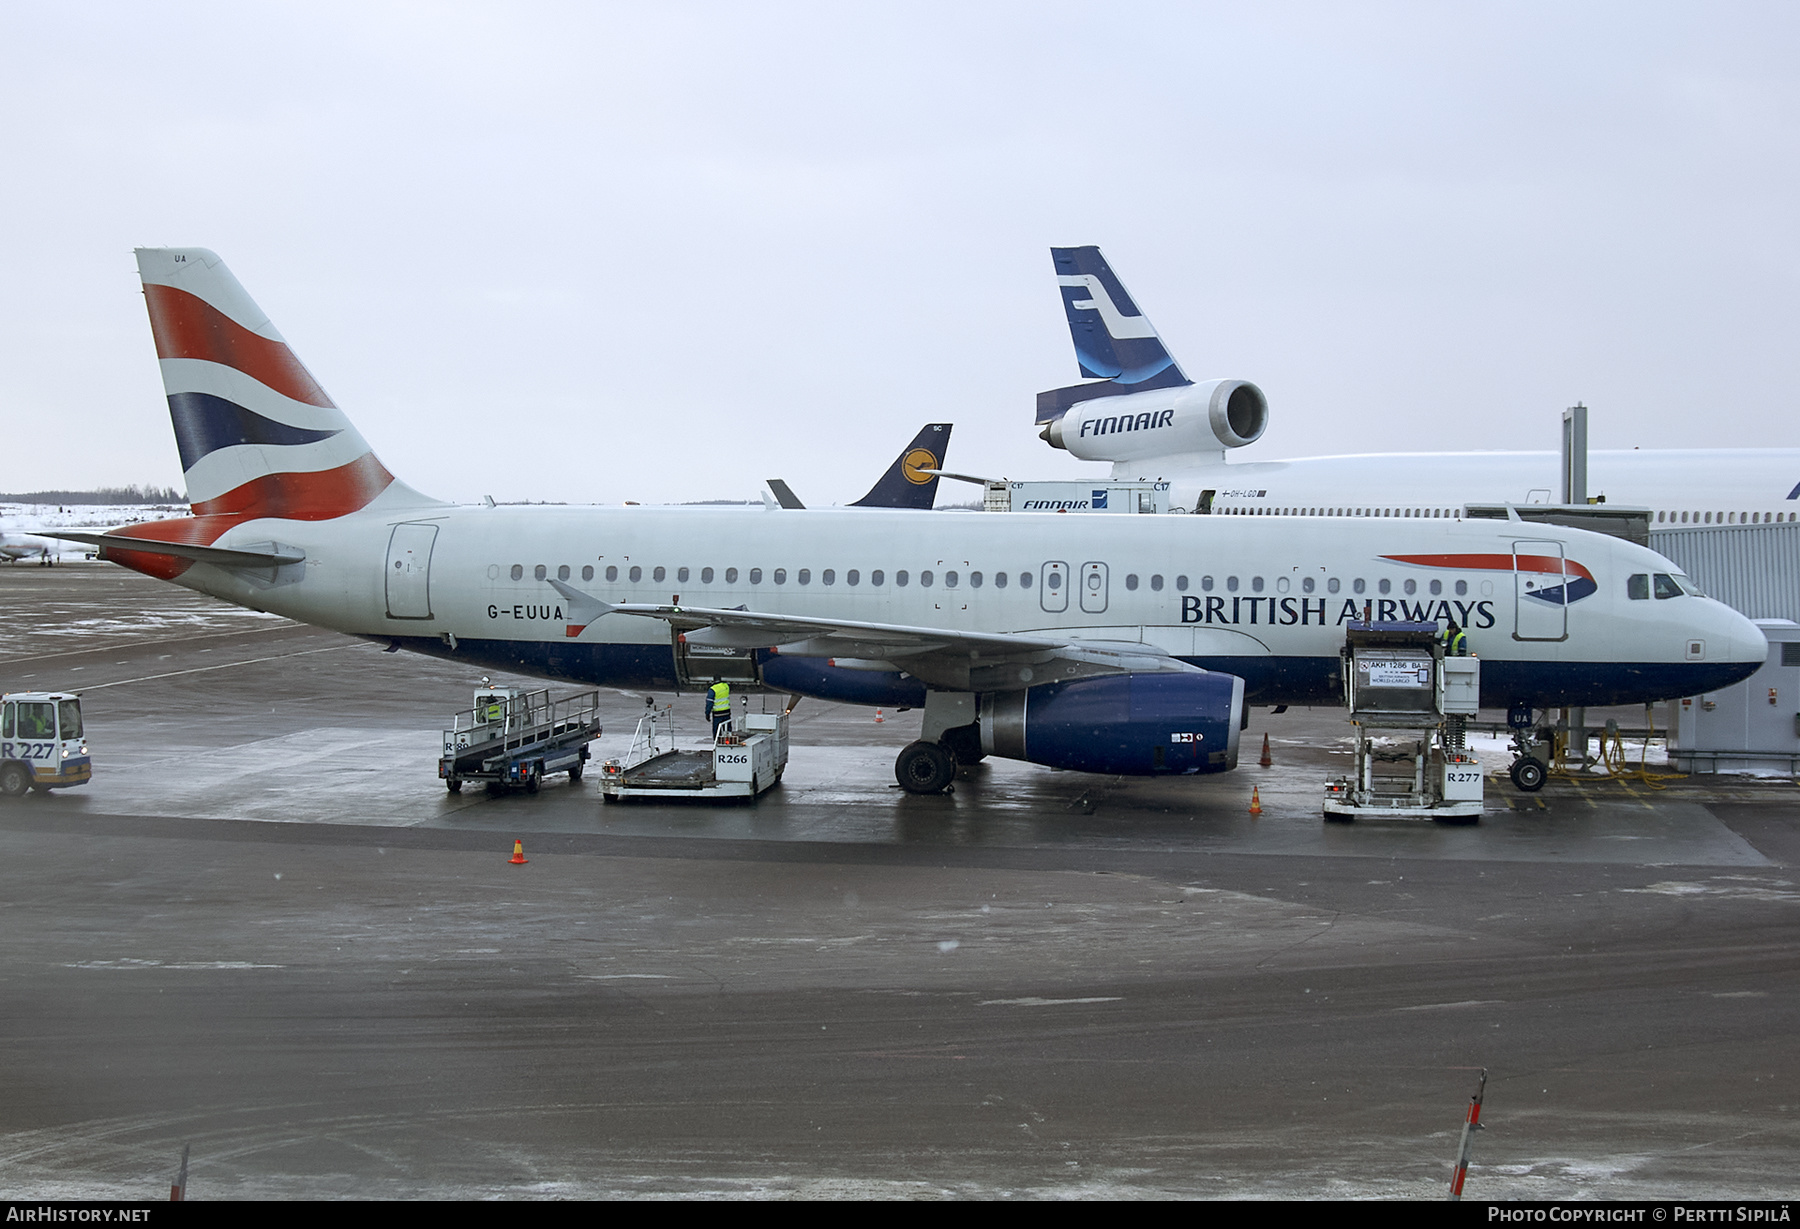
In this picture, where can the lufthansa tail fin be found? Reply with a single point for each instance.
(258, 436)
(1115, 343)
(904, 485)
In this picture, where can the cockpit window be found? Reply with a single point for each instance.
(1637, 588)
(1666, 586)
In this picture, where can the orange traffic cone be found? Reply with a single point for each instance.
(1255, 801)
(1266, 762)
(519, 858)
(878, 717)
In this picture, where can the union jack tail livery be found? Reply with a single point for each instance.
(258, 436)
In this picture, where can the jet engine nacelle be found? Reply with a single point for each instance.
(1163, 422)
(1129, 724)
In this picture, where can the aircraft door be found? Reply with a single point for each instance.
(1093, 588)
(409, 571)
(1540, 591)
(1053, 587)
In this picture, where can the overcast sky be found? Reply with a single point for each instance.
(664, 251)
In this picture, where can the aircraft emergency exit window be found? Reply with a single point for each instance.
(612, 573)
(756, 576)
(731, 576)
(1358, 585)
(1206, 584)
(1462, 588)
(706, 575)
(1386, 586)
(1256, 584)
(876, 577)
(636, 574)
(1131, 581)
(1156, 584)
(974, 580)
(681, 575)
(900, 579)
(1181, 583)
(852, 577)
(1331, 585)
(518, 571)
(1055, 581)
(1410, 587)
(659, 574)
(1024, 580)
(562, 573)
(1231, 583)
(1666, 587)
(1637, 587)
(587, 573)
(999, 579)
(950, 579)
(539, 571)
(1306, 584)
(780, 576)
(925, 579)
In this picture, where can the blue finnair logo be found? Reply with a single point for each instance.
(1099, 500)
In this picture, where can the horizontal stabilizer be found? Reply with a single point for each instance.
(274, 556)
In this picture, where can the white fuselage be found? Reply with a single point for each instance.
(1699, 486)
(1265, 599)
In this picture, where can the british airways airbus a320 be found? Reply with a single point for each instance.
(1106, 644)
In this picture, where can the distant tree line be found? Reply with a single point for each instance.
(105, 495)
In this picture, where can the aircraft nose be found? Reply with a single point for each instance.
(1743, 640)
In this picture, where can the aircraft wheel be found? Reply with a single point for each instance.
(1528, 774)
(924, 768)
(15, 782)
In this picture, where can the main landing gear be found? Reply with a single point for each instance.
(924, 768)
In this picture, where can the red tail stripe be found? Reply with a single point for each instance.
(186, 326)
(318, 496)
(1498, 563)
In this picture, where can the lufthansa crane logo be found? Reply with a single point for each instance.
(916, 460)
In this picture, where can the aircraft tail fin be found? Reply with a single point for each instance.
(258, 436)
(1114, 341)
(904, 486)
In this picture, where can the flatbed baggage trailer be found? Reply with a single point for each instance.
(745, 759)
(513, 737)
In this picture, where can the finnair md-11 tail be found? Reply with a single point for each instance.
(1120, 645)
(1140, 412)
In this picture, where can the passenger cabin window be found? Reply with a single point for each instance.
(681, 575)
(659, 574)
(875, 578)
(925, 579)
(1024, 580)
(587, 573)
(999, 579)
(1331, 585)
(562, 573)
(804, 576)
(1637, 587)
(900, 579)
(950, 580)
(636, 573)
(1181, 584)
(1231, 583)
(731, 576)
(706, 575)
(518, 571)
(612, 572)
(852, 577)
(1156, 583)
(756, 576)
(974, 580)
(1359, 585)
(539, 571)
(1131, 581)
(780, 576)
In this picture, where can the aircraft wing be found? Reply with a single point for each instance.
(945, 657)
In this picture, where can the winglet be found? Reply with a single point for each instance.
(584, 608)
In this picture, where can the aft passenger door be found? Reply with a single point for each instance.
(1540, 591)
(1053, 587)
(409, 571)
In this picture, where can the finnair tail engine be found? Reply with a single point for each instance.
(1205, 417)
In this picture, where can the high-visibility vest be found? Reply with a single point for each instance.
(721, 698)
(1456, 645)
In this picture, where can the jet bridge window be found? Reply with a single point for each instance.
(1637, 587)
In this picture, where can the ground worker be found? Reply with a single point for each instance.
(718, 706)
(493, 710)
(1456, 641)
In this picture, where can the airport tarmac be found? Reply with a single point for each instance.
(266, 930)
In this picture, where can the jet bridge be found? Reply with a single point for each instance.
(1409, 706)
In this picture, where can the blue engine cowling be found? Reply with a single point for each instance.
(1128, 724)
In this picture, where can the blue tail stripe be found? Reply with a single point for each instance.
(205, 423)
